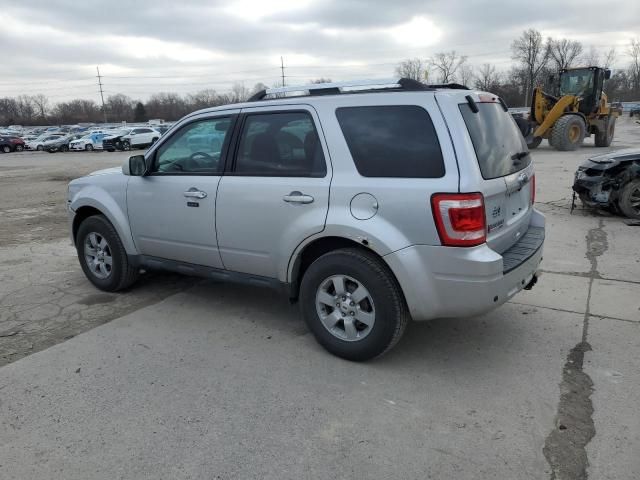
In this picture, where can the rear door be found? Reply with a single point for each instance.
(276, 193)
(506, 173)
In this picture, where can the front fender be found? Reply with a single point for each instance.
(112, 208)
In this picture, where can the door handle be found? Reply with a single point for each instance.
(195, 193)
(297, 197)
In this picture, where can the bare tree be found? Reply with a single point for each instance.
(634, 68)
(592, 57)
(120, 107)
(532, 54)
(486, 78)
(465, 74)
(563, 53)
(41, 103)
(239, 92)
(413, 68)
(610, 58)
(447, 65)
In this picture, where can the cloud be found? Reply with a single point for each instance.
(184, 46)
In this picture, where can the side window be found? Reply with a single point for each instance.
(195, 148)
(283, 144)
(392, 141)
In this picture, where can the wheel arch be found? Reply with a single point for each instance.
(307, 253)
(89, 206)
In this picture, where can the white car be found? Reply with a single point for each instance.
(90, 142)
(140, 137)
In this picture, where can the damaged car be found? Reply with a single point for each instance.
(611, 181)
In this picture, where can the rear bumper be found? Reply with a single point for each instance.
(447, 282)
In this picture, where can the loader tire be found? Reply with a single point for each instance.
(604, 139)
(568, 133)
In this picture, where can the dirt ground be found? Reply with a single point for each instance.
(44, 298)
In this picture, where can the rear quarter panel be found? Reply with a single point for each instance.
(404, 213)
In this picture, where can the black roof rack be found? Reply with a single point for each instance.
(357, 86)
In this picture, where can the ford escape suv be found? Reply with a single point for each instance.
(370, 203)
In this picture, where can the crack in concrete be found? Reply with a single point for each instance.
(565, 446)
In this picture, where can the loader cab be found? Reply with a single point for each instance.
(585, 83)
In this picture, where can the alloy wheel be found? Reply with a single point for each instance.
(97, 255)
(345, 308)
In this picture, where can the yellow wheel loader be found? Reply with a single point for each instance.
(580, 110)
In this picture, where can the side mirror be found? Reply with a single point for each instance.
(607, 74)
(135, 166)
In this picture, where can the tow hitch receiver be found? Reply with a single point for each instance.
(532, 282)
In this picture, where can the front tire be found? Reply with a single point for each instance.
(353, 304)
(6, 149)
(568, 133)
(40, 148)
(604, 139)
(629, 200)
(102, 255)
(88, 148)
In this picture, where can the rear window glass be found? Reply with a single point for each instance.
(499, 146)
(392, 141)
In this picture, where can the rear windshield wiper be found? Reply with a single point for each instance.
(519, 156)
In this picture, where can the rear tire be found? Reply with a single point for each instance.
(604, 139)
(64, 149)
(126, 146)
(19, 148)
(568, 133)
(629, 200)
(369, 315)
(119, 274)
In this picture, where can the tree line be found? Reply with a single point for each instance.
(534, 61)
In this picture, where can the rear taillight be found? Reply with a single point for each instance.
(533, 189)
(460, 218)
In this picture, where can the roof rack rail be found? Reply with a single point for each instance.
(453, 86)
(334, 88)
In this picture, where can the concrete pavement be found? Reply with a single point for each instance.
(207, 380)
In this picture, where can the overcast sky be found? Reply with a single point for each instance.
(143, 47)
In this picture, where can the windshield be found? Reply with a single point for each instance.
(499, 145)
(577, 82)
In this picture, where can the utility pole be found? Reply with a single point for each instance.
(104, 110)
(282, 69)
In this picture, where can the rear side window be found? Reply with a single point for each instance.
(499, 145)
(392, 141)
(280, 144)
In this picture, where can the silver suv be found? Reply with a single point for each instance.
(370, 203)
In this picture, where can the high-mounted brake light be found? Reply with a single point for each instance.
(460, 218)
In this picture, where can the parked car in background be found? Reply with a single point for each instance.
(113, 142)
(61, 144)
(38, 143)
(90, 142)
(11, 144)
(140, 137)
